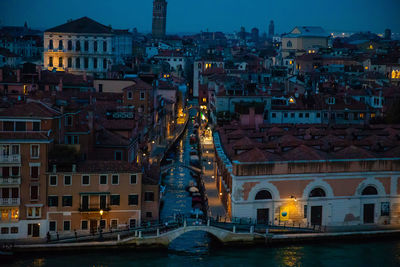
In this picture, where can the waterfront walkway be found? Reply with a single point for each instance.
(215, 206)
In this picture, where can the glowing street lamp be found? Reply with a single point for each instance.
(101, 230)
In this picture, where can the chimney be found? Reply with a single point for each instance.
(18, 75)
(74, 168)
(54, 168)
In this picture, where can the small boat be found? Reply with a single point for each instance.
(193, 189)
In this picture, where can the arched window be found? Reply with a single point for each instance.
(51, 44)
(69, 62)
(317, 192)
(69, 45)
(263, 194)
(369, 190)
(86, 45)
(95, 46)
(78, 46)
(60, 45)
(104, 46)
(105, 63)
(60, 62)
(289, 44)
(78, 63)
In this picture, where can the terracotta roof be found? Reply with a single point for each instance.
(23, 136)
(353, 152)
(29, 110)
(108, 138)
(98, 166)
(256, 155)
(303, 152)
(81, 25)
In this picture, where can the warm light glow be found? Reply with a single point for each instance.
(361, 115)
(371, 47)
(291, 100)
(101, 212)
(373, 115)
(290, 62)
(366, 67)
(204, 99)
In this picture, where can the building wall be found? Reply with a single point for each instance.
(112, 86)
(122, 212)
(343, 204)
(91, 55)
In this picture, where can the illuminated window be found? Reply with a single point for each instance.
(373, 115)
(290, 62)
(204, 99)
(361, 115)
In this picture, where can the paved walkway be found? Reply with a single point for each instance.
(215, 206)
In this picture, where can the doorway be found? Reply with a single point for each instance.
(93, 226)
(369, 210)
(34, 229)
(262, 216)
(316, 215)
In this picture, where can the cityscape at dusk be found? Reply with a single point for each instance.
(210, 133)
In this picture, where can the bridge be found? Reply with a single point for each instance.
(226, 233)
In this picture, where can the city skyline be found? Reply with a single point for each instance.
(213, 16)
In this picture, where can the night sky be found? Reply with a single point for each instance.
(215, 15)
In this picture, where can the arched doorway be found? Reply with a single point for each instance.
(369, 208)
(263, 213)
(316, 211)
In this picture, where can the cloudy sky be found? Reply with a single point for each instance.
(214, 15)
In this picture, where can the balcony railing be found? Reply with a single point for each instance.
(10, 180)
(93, 208)
(9, 201)
(10, 158)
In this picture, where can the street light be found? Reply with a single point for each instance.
(101, 230)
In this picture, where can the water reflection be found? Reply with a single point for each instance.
(289, 256)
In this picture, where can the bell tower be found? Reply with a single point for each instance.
(159, 19)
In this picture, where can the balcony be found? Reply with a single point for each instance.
(10, 158)
(9, 201)
(10, 180)
(93, 208)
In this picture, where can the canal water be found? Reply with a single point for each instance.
(382, 254)
(177, 201)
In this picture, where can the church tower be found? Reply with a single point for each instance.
(159, 19)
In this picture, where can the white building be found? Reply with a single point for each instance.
(84, 45)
